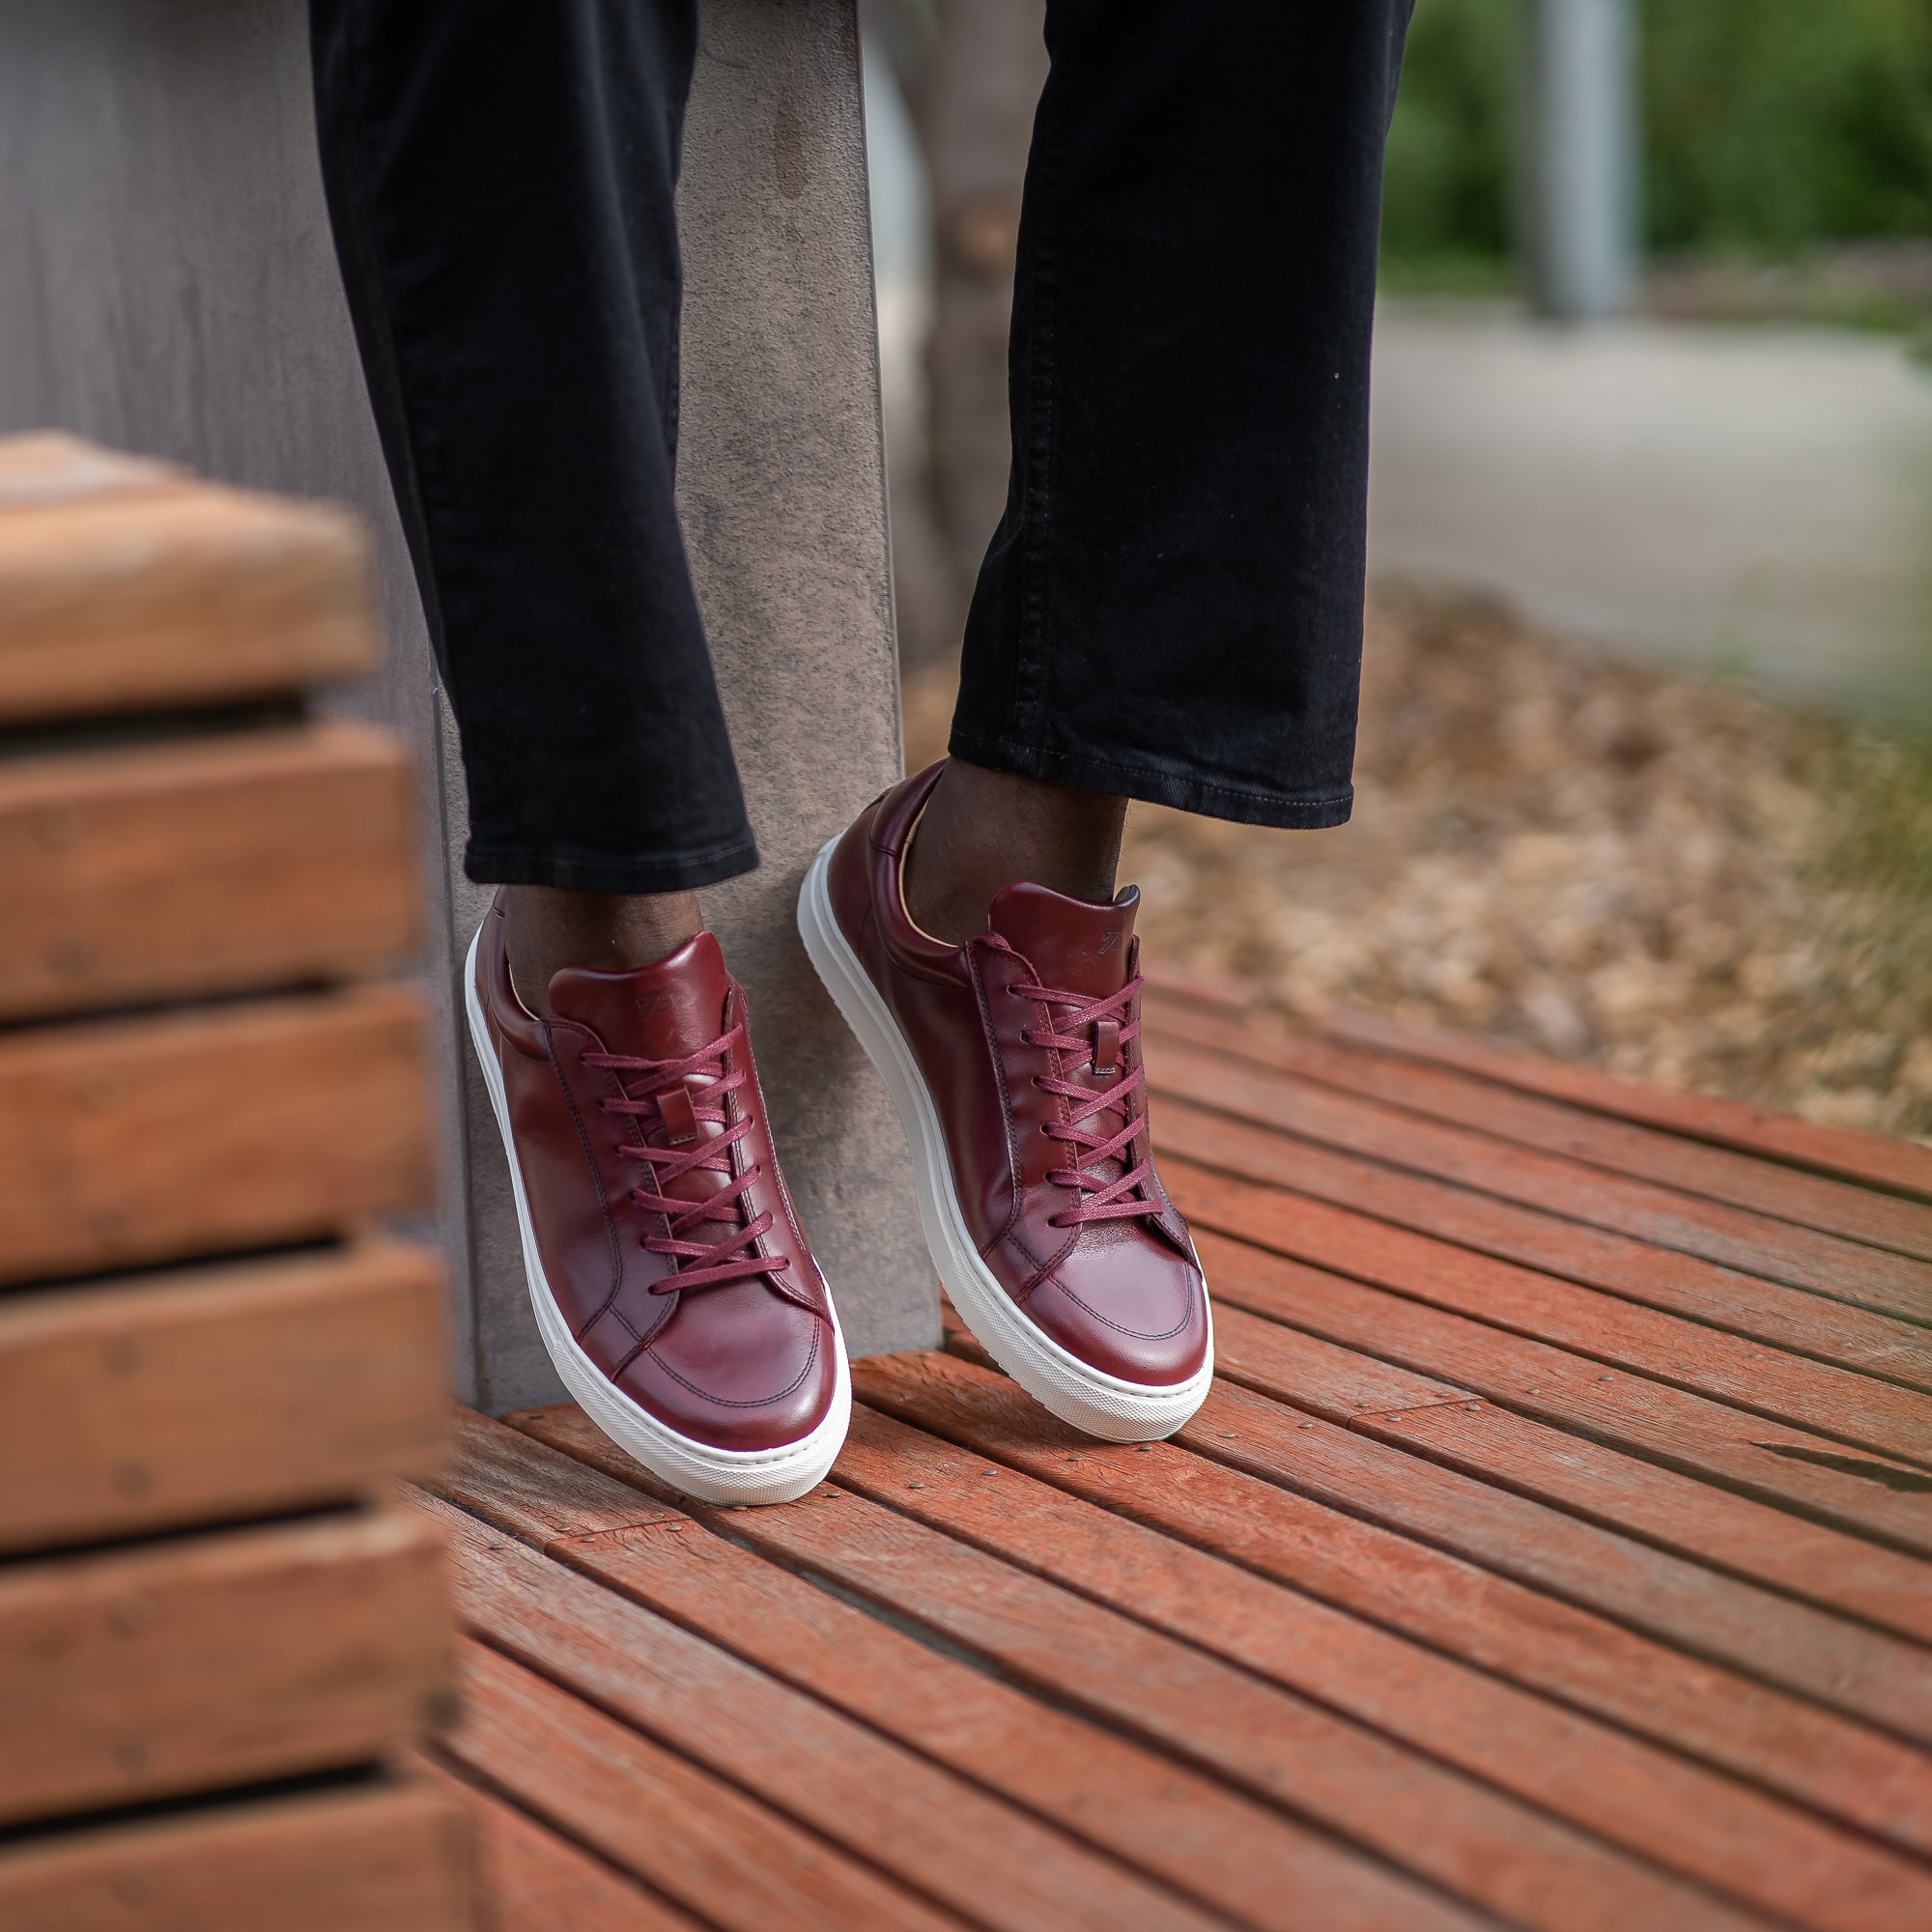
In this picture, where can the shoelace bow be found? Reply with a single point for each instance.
(696, 1263)
(1079, 1031)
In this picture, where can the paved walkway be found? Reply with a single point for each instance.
(1755, 501)
(1552, 1553)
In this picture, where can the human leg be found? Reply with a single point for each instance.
(500, 181)
(1171, 610)
(1171, 606)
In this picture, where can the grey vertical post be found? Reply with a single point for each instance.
(1583, 168)
(167, 284)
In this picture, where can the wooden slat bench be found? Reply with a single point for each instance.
(221, 1637)
(1553, 1552)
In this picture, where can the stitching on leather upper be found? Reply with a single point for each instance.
(762, 1132)
(590, 1160)
(1118, 1328)
(989, 1032)
(728, 1402)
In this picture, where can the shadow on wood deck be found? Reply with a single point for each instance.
(1552, 1551)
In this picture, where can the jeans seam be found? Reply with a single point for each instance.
(1032, 656)
(416, 444)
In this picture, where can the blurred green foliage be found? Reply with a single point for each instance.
(1769, 125)
(1446, 185)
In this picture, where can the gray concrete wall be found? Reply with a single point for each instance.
(167, 285)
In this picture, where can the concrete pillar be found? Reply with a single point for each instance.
(1584, 169)
(167, 284)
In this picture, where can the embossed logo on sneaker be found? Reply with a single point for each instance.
(1110, 938)
(655, 1001)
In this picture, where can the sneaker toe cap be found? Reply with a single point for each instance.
(1129, 1310)
(761, 1378)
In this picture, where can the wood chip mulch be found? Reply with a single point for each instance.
(1670, 878)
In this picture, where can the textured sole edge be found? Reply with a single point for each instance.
(729, 1477)
(1099, 1404)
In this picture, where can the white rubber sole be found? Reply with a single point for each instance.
(726, 1476)
(1101, 1405)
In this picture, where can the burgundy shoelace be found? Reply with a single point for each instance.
(665, 1082)
(1095, 1029)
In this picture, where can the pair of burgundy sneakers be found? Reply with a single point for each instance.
(673, 1285)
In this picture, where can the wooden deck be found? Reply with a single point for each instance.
(1553, 1552)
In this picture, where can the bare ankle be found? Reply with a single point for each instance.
(612, 932)
(984, 830)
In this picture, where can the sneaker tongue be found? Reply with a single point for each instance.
(657, 1013)
(1077, 945)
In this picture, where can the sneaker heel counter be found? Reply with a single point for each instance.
(848, 880)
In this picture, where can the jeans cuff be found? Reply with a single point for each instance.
(1150, 784)
(578, 872)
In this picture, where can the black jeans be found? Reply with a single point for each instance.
(1171, 608)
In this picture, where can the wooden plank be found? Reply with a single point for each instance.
(51, 466)
(1872, 1159)
(1157, 1816)
(1620, 1146)
(1489, 1849)
(257, 1386)
(550, 1498)
(1668, 1512)
(532, 1880)
(191, 1665)
(1631, 1793)
(1595, 1482)
(1581, 1384)
(1754, 1334)
(1659, 1217)
(1558, 1405)
(1837, 1768)
(1868, 1674)
(214, 866)
(383, 1860)
(923, 1826)
(725, 1855)
(192, 595)
(125, 1142)
(1865, 1673)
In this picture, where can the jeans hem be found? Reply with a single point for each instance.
(576, 871)
(1242, 804)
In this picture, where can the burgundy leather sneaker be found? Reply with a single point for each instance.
(672, 1285)
(1015, 1064)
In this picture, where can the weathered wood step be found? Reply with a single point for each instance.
(392, 1858)
(204, 1662)
(152, 1402)
(207, 866)
(131, 1141)
(123, 592)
